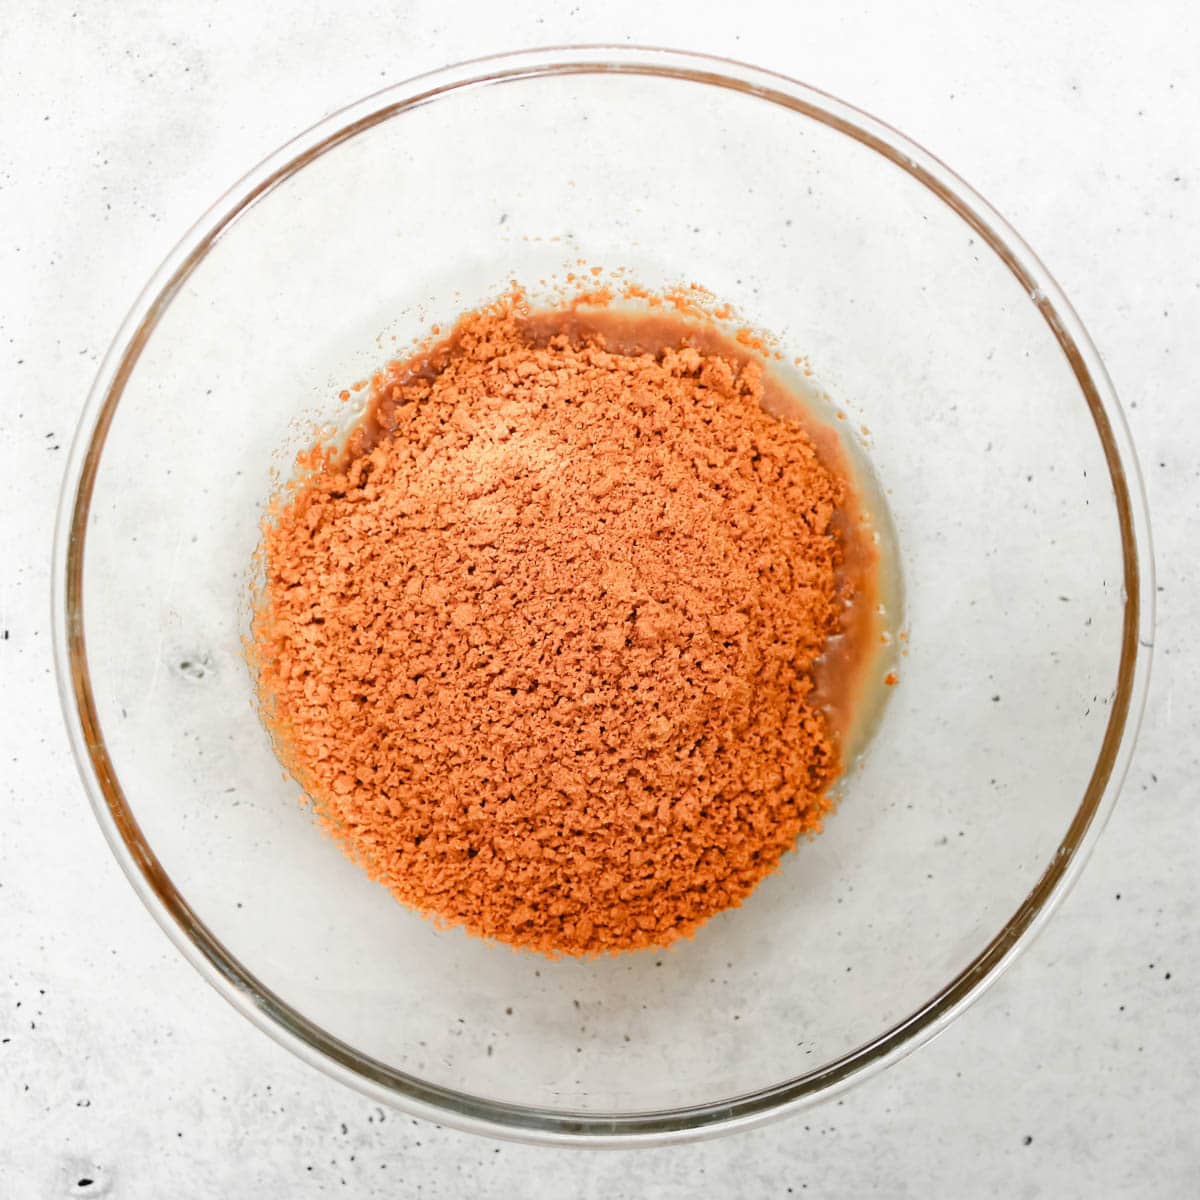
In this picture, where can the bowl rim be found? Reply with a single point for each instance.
(459, 1109)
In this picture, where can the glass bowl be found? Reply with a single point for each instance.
(995, 434)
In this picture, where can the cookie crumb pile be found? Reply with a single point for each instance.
(539, 644)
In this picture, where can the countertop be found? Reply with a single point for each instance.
(122, 1074)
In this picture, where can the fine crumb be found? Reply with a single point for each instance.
(539, 644)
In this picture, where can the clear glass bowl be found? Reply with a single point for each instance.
(993, 428)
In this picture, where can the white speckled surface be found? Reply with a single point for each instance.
(1077, 1075)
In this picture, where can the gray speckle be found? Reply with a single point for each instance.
(194, 667)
